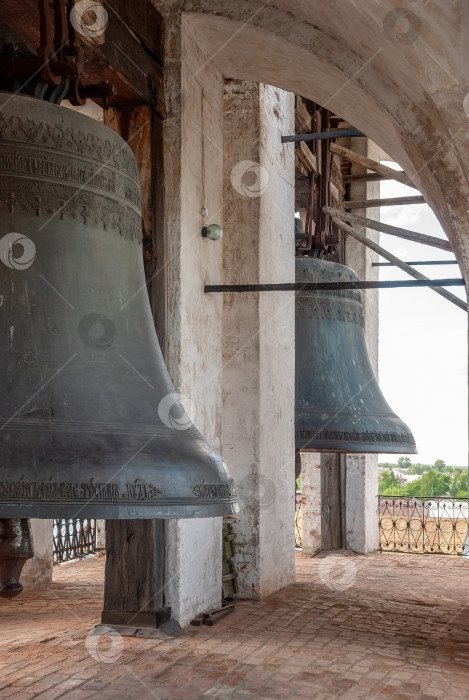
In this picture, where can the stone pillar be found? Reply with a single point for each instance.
(193, 156)
(258, 332)
(310, 502)
(37, 571)
(362, 469)
(101, 535)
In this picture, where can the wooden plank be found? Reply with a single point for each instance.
(302, 117)
(134, 573)
(392, 230)
(334, 192)
(142, 18)
(332, 501)
(120, 58)
(368, 177)
(306, 157)
(398, 175)
(299, 165)
(398, 262)
(389, 202)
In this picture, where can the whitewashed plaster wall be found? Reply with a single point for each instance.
(258, 332)
(193, 180)
(37, 571)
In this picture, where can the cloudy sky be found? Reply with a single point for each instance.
(423, 342)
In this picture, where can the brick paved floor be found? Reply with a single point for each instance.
(389, 625)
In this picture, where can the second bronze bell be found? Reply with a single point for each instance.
(339, 406)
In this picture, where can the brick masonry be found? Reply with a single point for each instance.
(384, 625)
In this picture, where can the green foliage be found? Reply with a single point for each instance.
(298, 483)
(440, 465)
(418, 469)
(388, 483)
(404, 463)
(458, 486)
(437, 480)
(432, 483)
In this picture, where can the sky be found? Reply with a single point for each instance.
(423, 341)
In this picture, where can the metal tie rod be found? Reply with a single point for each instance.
(400, 263)
(322, 135)
(328, 286)
(416, 262)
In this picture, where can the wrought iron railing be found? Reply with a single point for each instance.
(423, 525)
(298, 519)
(73, 539)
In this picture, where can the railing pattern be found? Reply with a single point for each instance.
(73, 539)
(298, 519)
(423, 525)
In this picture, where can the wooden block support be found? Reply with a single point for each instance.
(134, 575)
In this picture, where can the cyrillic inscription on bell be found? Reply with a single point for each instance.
(90, 423)
(339, 406)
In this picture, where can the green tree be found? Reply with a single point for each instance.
(432, 483)
(404, 462)
(458, 486)
(440, 465)
(417, 469)
(388, 483)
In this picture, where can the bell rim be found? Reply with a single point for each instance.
(99, 511)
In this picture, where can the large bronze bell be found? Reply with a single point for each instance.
(90, 424)
(339, 406)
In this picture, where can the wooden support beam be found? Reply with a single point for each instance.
(369, 177)
(128, 54)
(389, 202)
(392, 230)
(134, 575)
(306, 157)
(333, 484)
(398, 175)
(397, 261)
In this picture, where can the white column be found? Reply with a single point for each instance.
(310, 502)
(258, 332)
(193, 181)
(37, 572)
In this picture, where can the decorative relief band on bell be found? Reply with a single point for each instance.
(227, 490)
(356, 437)
(78, 493)
(70, 206)
(353, 294)
(19, 130)
(109, 492)
(328, 311)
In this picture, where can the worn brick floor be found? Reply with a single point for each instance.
(382, 626)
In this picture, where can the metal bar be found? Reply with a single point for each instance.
(398, 175)
(389, 202)
(321, 135)
(392, 230)
(327, 286)
(417, 262)
(399, 263)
